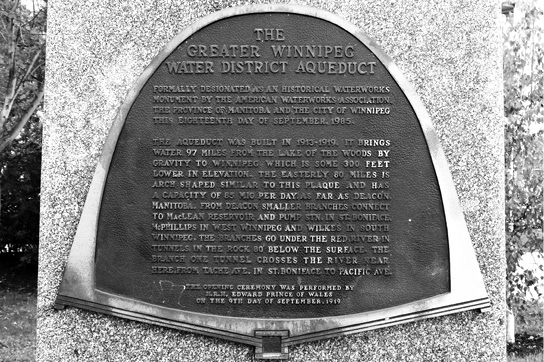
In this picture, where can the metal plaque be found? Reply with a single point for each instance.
(271, 179)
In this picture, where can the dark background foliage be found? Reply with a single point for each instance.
(22, 62)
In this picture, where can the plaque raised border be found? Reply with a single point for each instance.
(467, 286)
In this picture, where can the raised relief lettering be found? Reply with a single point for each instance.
(256, 168)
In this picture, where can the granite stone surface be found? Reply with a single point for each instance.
(449, 50)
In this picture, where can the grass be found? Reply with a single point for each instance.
(17, 325)
(533, 358)
(17, 313)
(528, 346)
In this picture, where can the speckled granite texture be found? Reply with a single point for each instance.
(449, 50)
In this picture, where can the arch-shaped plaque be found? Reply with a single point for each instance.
(272, 176)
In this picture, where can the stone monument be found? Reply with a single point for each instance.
(272, 178)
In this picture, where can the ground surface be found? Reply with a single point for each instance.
(526, 345)
(529, 343)
(17, 311)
